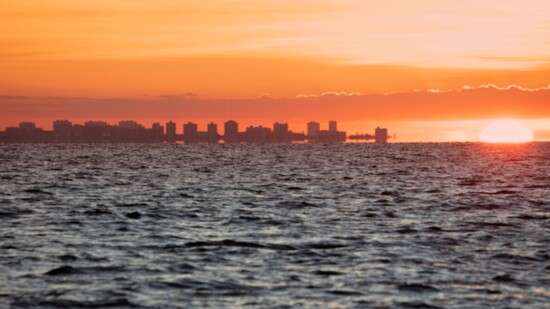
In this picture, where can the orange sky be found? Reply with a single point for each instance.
(396, 54)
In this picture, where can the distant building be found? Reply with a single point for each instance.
(13, 135)
(28, 126)
(281, 133)
(257, 134)
(212, 133)
(77, 133)
(332, 135)
(190, 133)
(158, 132)
(62, 130)
(171, 132)
(332, 126)
(381, 135)
(26, 132)
(95, 132)
(60, 125)
(129, 131)
(101, 124)
(313, 129)
(231, 132)
(128, 124)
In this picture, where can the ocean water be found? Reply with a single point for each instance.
(463, 225)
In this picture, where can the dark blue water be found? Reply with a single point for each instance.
(354, 225)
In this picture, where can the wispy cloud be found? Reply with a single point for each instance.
(183, 96)
(48, 98)
(509, 87)
(265, 96)
(329, 94)
(487, 86)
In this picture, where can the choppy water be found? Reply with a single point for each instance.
(355, 225)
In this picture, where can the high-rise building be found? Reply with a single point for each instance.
(258, 134)
(313, 129)
(158, 132)
(332, 126)
(29, 126)
(280, 132)
(62, 130)
(171, 132)
(95, 131)
(60, 125)
(190, 133)
(212, 133)
(231, 132)
(381, 135)
(26, 131)
(97, 124)
(128, 124)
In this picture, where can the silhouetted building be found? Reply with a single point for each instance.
(26, 132)
(381, 135)
(257, 135)
(62, 130)
(313, 129)
(129, 131)
(27, 126)
(332, 135)
(212, 133)
(95, 132)
(231, 132)
(190, 133)
(77, 133)
(281, 133)
(101, 124)
(158, 132)
(14, 135)
(128, 124)
(171, 132)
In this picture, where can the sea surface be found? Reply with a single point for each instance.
(457, 225)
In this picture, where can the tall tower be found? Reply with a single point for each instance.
(231, 132)
(62, 130)
(280, 132)
(313, 129)
(171, 132)
(158, 132)
(381, 135)
(190, 132)
(212, 132)
(332, 126)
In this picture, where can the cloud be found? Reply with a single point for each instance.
(480, 87)
(178, 96)
(509, 87)
(265, 96)
(53, 98)
(329, 94)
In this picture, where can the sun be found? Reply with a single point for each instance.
(506, 131)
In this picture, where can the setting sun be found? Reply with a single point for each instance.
(506, 131)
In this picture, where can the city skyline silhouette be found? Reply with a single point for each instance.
(127, 131)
